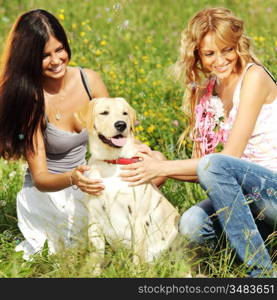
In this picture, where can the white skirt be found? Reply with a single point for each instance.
(60, 218)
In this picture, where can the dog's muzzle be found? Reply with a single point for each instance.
(118, 140)
(120, 126)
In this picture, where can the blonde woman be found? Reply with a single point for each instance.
(233, 102)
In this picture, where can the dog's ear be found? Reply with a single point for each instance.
(133, 117)
(85, 115)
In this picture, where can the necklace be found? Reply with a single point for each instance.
(60, 97)
(57, 112)
(58, 116)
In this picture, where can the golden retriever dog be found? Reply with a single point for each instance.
(139, 218)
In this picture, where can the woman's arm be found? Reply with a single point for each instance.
(255, 91)
(49, 182)
(149, 168)
(143, 148)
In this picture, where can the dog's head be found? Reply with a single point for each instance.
(110, 123)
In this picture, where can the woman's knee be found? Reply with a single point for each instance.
(210, 166)
(192, 222)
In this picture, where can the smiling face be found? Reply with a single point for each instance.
(217, 57)
(55, 59)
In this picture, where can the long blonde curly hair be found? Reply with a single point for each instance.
(189, 70)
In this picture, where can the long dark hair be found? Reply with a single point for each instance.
(22, 106)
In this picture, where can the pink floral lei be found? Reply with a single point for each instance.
(209, 129)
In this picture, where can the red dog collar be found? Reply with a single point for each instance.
(123, 161)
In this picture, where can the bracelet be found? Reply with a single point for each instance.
(75, 187)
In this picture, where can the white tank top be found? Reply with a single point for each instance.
(262, 145)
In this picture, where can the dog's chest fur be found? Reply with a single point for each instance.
(109, 174)
(139, 215)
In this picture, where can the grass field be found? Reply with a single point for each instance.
(132, 44)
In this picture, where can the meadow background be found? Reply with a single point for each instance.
(133, 44)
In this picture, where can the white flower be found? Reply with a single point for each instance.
(217, 108)
(125, 24)
(12, 174)
(23, 168)
(117, 6)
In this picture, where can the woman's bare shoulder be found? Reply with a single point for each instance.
(93, 76)
(257, 74)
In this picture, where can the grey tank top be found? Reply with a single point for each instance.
(64, 150)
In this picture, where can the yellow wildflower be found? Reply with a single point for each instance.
(72, 63)
(82, 33)
(145, 58)
(85, 41)
(151, 128)
(74, 26)
(103, 43)
(146, 113)
(97, 52)
(61, 17)
(149, 40)
(139, 128)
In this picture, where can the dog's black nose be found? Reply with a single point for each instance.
(120, 125)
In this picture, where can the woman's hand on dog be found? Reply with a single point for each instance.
(143, 148)
(85, 184)
(143, 171)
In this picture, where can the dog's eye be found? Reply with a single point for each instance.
(125, 113)
(104, 112)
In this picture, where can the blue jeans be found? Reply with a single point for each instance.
(239, 192)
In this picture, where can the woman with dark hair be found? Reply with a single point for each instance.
(39, 94)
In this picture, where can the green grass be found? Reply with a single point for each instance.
(132, 44)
